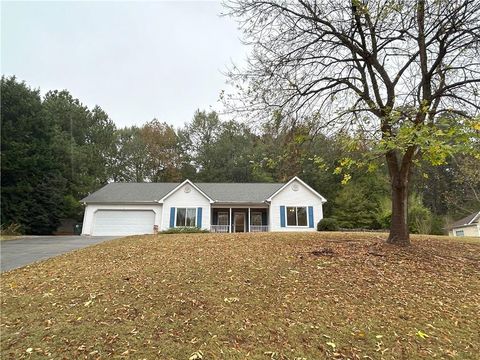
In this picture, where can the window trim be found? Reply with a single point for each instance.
(296, 216)
(186, 211)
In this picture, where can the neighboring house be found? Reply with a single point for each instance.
(468, 226)
(142, 208)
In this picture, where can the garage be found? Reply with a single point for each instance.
(123, 222)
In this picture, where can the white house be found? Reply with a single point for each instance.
(468, 226)
(143, 208)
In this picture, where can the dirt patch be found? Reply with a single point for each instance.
(323, 252)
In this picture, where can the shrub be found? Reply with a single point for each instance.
(184, 230)
(438, 225)
(384, 220)
(420, 220)
(327, 224)
(384, 213)
(12, 229)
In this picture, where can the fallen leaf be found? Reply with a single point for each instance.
(231, 300)
(197, 355)
(421, 334)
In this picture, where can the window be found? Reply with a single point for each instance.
(302, 216)
(459, 233)
(256, 218)
(297, 216)
(222, 218)
(186, 217)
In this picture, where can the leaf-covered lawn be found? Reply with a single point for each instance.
(258, 296)
(9, 237)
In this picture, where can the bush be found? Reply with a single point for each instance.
(327, 224)
(384, 214)
(419, 216)
(183, 230)
(438, 225)
(420, 220)
(12, 229)
(384, 221)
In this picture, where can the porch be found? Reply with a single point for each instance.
(239, 219)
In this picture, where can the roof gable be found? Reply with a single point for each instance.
(295, 178)
(468, 220)
(181, 185)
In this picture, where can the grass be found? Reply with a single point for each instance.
(247, 296)
(8, 237)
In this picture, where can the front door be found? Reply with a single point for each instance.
(239, 222)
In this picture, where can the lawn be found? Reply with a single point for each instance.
(256, 296)
(9, 237)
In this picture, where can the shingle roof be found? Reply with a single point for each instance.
(130, 192)
(239, 192)
(470, 219)
(153, 192)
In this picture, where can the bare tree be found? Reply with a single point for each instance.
(395, 67)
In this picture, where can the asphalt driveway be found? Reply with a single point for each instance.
(20, 252)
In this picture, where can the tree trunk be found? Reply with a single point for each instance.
(399, 234)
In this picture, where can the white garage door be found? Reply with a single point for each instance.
(123, 222)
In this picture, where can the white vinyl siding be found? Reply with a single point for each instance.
(191, 199)
(468, 230)
(290, 198)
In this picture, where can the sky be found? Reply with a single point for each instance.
(136, 60)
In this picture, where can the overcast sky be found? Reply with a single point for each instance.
(137, 60)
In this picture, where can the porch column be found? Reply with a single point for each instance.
(248, 219)
(268, 219)
(230, 222)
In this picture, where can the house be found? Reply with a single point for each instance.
(143, 208)
(468, 226)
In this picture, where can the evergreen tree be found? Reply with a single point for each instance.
(32, 182)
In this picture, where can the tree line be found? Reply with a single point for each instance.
(55, 150)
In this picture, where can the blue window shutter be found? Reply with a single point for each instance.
(310, 217)
(199, 217)
(172, 217)
(282, 216)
